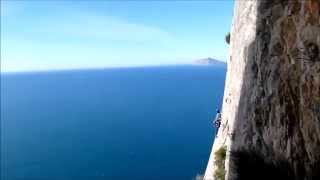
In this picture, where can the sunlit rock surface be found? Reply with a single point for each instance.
(272, 96)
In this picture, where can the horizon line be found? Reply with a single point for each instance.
(103, 68)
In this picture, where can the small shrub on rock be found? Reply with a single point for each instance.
(220, 157)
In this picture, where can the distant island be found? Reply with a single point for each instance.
(209, 61)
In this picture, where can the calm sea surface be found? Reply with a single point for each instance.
(119, 124)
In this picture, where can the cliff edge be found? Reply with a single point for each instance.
(271, 107)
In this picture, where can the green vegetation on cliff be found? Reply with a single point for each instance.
(220, 157)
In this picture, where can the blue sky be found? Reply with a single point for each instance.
(47, 35)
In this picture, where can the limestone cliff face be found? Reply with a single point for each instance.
(271, 102)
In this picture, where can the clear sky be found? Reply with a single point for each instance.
(57, 34)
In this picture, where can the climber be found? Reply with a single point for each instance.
(217, 120)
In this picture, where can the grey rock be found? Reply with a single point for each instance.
(272, 95)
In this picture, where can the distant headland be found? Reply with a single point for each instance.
(208, 61)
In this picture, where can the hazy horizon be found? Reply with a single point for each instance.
(106, 68)
(46, 36)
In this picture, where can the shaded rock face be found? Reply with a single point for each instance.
(272, 96)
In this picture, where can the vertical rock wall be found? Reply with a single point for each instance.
(271, 102)
(242, 34)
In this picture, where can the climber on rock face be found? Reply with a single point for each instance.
(217, 120)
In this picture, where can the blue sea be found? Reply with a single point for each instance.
(147, 123)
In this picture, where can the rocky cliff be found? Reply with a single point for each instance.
(271, 110)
